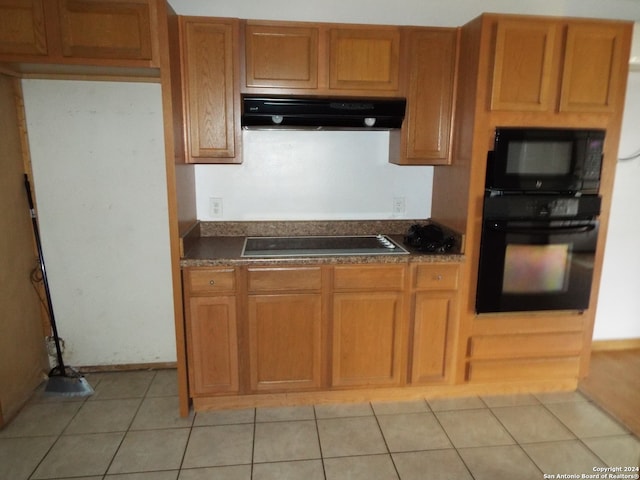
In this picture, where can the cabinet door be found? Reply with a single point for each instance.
(22, 29)
(367, 332)
(591, 75)
(364, 59)
(525, 70)
(431, 69)
(432, 336)
(119, 30)
(208, 61)
(213, 345)
(281, 56)
(285, 341)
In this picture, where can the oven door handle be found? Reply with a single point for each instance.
(544, 230)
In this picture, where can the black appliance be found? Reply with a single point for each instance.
(537, 252)
(322, 113)
(545, 160)
(428, 238)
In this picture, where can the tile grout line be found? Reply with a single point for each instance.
(386, 444)
(315, 417)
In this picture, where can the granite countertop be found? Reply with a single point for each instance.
(220, 243)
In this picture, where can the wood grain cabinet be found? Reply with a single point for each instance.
(368, 325)
(285, 328)
(211, 97)
(212, 330)
(435, 313)
(549, 65)
(321, 59)
(281, 56)
(118, 33)
(428, 72)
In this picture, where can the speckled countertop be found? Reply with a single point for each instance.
(220, 243)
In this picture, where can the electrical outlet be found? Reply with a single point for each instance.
(398, 205)
(215, 207)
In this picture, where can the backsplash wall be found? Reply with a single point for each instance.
(314, 175)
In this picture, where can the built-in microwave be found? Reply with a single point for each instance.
(545, 160)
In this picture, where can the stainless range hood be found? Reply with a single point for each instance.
(322, 113)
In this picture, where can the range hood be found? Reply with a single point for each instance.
(322, 113)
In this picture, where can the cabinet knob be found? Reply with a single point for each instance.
(212, 282)
(438, 277)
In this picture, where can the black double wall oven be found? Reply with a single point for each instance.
(540, 220)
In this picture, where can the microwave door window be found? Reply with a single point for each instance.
(539, 158)
(536, 269)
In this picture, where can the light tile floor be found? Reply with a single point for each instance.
(130, 430)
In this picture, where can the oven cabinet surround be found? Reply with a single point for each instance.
(210, 89)
(80, 32)
(556, 65)
(259, 334)
(574, 76)
(321, 59)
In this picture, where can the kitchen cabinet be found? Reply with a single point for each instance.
(212, 330)
(118, 33)
(321, 59)
(285, 328)
(281, 56)
(211, 99)
(368, 325)
(555, 65)
(435, 313)
(428, 71)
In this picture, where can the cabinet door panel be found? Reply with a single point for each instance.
(430, 97)
(208, 67)
(22, 29)
(367, 343)
(105, 29)
(364, 59)
(285, 336)
(281, 56)
(432, 339)
(525, 65)
(213, 341)
(591, 69)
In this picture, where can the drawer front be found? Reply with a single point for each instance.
(284, 279)
(526, 345)
(436, 277)
(359, 277)
(211, 280)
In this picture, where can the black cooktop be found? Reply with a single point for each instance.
(321, 245)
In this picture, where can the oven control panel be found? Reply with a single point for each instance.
(540, 207)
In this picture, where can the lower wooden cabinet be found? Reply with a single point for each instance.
(213, 345)
(285, 341)
(367, 338)
(305, 328)
(435, 313)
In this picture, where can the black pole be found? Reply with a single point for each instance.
(60, 369)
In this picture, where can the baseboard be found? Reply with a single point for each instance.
(126, 367)
(609, 345)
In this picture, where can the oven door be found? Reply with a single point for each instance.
(536, 265)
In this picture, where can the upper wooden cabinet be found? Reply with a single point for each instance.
(364, 59)
(548, 65)
(210, 95)
(327, 59)
(22, 30)
(281, 56)
(428, 70)
(118, 33)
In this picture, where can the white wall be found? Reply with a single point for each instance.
(313, 175)
(99, 175)
(618, 314)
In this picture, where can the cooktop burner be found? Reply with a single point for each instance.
(321, 245)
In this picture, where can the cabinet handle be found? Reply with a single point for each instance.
(212, 282)
(437, 277)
